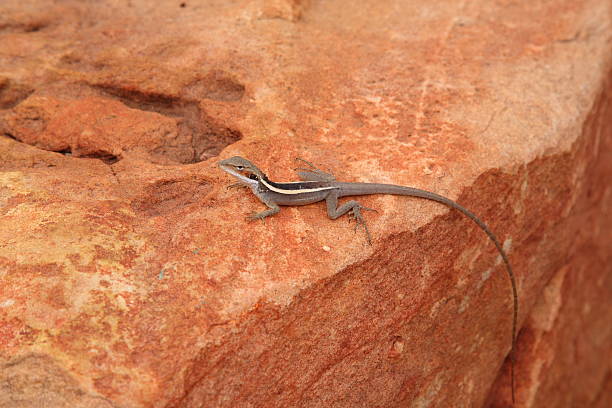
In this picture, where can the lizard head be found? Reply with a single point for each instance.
(242, 169)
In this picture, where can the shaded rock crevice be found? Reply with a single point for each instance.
(108, 130)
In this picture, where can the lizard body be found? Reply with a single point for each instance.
(316, 185)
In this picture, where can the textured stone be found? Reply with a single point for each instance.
(129, 277)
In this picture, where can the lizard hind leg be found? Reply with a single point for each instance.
(360, 221)
(312, 173)
(353, 208)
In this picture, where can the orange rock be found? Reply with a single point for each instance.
(130, 278)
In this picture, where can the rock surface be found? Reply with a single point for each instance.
(129, 277)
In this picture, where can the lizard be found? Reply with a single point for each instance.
(317, 185)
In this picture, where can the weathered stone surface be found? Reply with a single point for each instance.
(129, 277)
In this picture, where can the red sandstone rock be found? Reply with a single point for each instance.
(129, 277)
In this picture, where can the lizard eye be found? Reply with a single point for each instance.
(253, 177)
(239, 168)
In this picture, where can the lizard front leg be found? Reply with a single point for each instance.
(273, 208)
(334, 212)
(237, 185)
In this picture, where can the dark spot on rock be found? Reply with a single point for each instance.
(217, 86)
(106, 157)
(168, 196)
(102, 155)
(32, 25)
(137, 99)
(65, 152)
(12, 92)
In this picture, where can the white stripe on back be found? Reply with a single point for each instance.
(301, 191)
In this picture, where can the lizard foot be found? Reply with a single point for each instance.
(360, 221)
(236, 185)
(257, 216)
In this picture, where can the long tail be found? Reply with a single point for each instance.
(375, 188)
